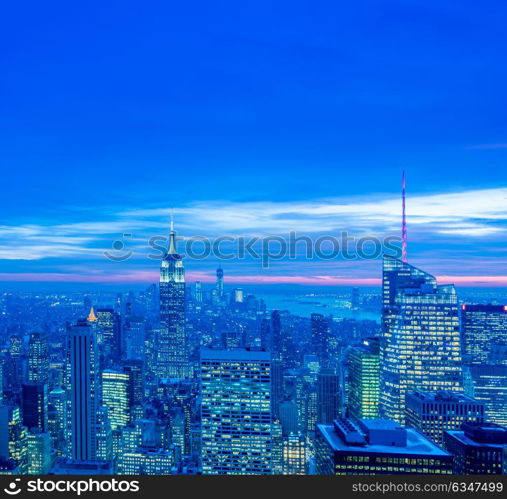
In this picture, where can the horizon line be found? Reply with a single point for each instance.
(151, 277)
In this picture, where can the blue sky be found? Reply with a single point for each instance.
(112, 114)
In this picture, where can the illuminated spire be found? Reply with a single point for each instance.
(172, 237)
(403, 221)
(91, 316)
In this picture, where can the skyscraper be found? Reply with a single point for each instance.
(57, 417)
(238, 295)
(432, 413)
(38, 359)
(364, 379)
(115, 396)
(34, 397)
(12, 440)
(134, 337)
(38, 445)
(320, 337)
(276, 343)
(104, 435)
(173, 348)
(84, 392)
(233, 339)
(478, 449)
(490, 387)
(198, 292)
(236, 412)
(294, 452)
(420, 344)
(484, 333)
(109, 327)
(327, 395)
(220, 282)
(483, 326)
(146, 462)
(135, 370)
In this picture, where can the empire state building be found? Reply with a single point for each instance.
(173, 351)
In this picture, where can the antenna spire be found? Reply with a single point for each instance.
(172, 236)
(403, 220)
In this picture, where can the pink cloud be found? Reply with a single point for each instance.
(474, 280)
(140, 276)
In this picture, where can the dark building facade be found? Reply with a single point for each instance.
(478, 449)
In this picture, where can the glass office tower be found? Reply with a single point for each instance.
(420, 344)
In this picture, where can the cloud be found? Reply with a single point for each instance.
(446, 228)
(488, 146)
(376, 213)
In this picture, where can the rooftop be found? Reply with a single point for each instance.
(441, 396)
(481, 435)
(465, 439)
(416, 443)
(235, 354)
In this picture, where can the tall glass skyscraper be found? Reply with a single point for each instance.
(420, 345)
(173, 354)
(236, 412)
